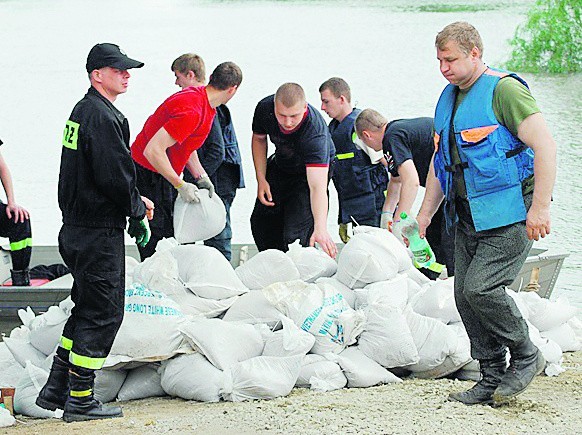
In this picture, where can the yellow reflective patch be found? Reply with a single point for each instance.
(66, 343)
(21, 244)
(71, 135)
(86, 361)
(84, 393)
(345, 156)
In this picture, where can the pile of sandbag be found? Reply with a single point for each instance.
(198, 329)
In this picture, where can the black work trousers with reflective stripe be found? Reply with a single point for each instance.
(20, 236)
(485, 263)
(155, 187)
(290, 218)
(96, 258)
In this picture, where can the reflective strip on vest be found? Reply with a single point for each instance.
(345, 156)
(21, 244)
(83, 393)
(66, 343)
(435, 267)
(86, 361)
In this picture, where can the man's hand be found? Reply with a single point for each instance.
(17, 213)
(538, 222)
(264, 193)
(188, 192)
(149, 207)
(343, 233)
(386, 221)
(139, 229)
(204, 183)
(324, 240)
(423, 223)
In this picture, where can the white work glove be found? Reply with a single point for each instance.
(188, 192)
(204, 183)
(386, 220)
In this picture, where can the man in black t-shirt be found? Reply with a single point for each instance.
(408, 146)
(292, 200)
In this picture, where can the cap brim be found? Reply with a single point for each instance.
(127, 64)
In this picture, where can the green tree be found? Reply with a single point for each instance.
(550, 40)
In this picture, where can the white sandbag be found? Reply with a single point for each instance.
(23, 351)
(387, 338)
(565, 337)
(576, 325)
(130, 265)
(437, 300)
(193, 305)
(393, 292)
(545, 314)
(253, 308)
(265, 268)
(390, 242)
(361, 371)
(433, 340)
(46, 329)
(107, 384)
(223, 343)
(263, 377)
(27, 391)
(319, 374)
(207, 273)
(289, 341)
(415, 275)
(549, 348)
(192, 377)
(26, 316)
(142, 382)
(194, 221)
(348, 294)
(10, 369)
(160, 273)
(319, 310)
(6, 419)
(150, 328)
(413, 287)
(519, 301)
(311, 262)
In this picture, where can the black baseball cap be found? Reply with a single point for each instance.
(102, 55)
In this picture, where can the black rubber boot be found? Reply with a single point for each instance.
(20, 277)
(81, 405)
(482, 392)
(56, 390)
(526, 362)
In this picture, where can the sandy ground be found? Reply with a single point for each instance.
(551, 405)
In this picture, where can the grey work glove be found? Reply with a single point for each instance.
(386, 220)
(205, 183)
(188, 192)
(139, 229)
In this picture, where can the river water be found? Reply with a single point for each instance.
(384, 49)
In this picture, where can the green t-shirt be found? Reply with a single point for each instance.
(512, 103)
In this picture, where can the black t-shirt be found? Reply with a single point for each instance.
(310, 145)
(407, 139)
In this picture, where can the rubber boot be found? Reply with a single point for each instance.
(526, 362)
(56, 390)
(81, 405)
(481, 393)
(20, 278)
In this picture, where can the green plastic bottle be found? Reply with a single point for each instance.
(421, 250)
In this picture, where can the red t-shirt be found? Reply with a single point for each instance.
(187, 116)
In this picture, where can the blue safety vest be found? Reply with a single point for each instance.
(494, 161)
(356, 179)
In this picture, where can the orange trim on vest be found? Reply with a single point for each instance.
(490, 72)
(437, 140)
(474, 135)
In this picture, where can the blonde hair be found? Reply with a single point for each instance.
(370, 120)
(464, 34)
(190, 62)
(290, 94)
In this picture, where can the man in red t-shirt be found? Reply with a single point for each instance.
(168, 142)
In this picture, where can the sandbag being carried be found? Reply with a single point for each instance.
(263, 377)
(194, 221)
(206, 272)
(361, 371)
(266, 268)
(253, 308)
(192, 377)
(319, 310)
(311, 262)
(223, 343)
(150, 328)
(319, 374)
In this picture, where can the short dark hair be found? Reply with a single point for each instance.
(338, 87)
(290, 94)
(225, 75)
(190, 62)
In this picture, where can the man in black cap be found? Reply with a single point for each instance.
(97, 192)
